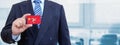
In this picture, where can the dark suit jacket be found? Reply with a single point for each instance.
(53, 29)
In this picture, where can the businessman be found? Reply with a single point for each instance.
(52, 30)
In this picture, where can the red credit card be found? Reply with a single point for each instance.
(33, 19)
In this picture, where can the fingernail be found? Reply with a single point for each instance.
(31, 25)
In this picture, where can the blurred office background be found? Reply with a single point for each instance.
(91, 22)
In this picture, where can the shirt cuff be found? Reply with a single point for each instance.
(16, 37)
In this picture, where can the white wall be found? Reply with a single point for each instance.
(87, 19)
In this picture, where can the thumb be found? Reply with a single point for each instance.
(28, 25)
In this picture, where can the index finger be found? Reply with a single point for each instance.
(24, 16)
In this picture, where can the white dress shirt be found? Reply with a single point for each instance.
(18, 37)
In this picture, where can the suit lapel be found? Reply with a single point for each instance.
(26, 7)
(46, 18)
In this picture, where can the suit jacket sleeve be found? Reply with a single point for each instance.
(6, 33)
(64, 38)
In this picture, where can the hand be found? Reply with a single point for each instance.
(19, 25)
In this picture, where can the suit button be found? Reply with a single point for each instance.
(50, 38)
(11, 41)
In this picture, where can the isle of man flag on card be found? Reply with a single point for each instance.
(33, 19)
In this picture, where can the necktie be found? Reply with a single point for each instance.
(37, 9)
